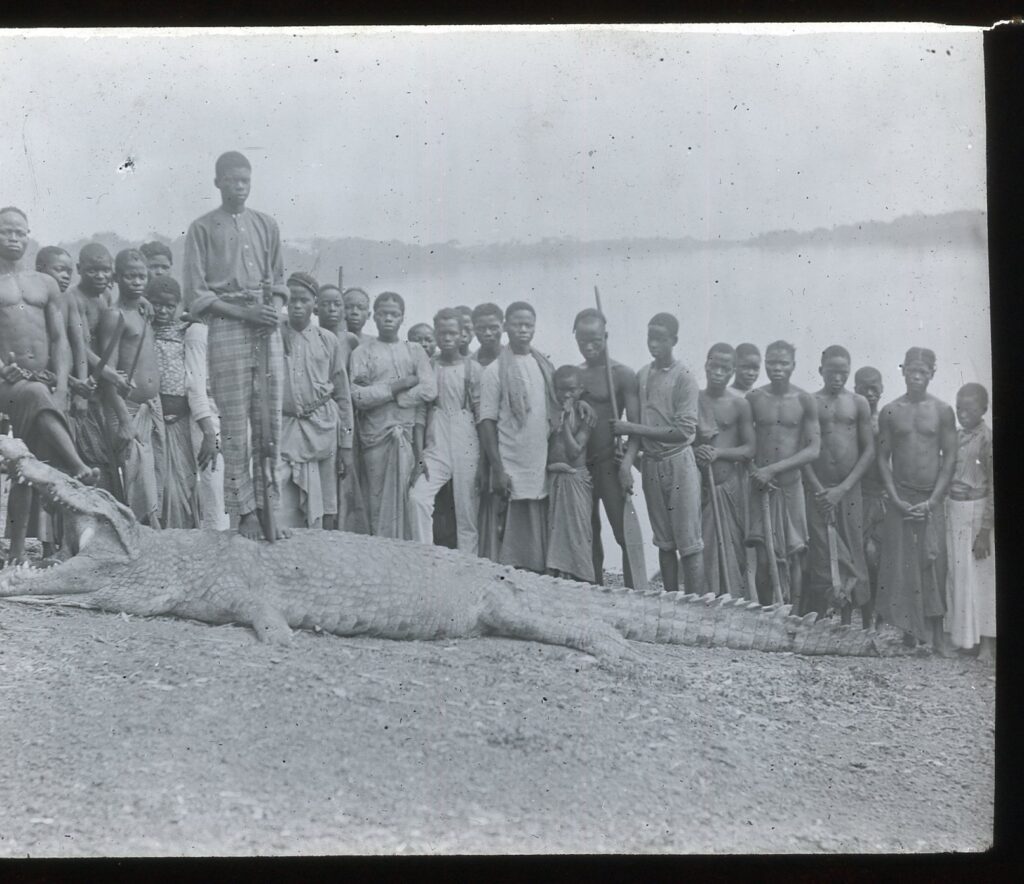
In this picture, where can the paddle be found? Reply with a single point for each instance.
(631, 535)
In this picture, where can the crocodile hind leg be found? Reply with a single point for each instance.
(504, 615)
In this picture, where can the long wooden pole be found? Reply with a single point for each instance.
(769, 546)
(267, 454)
(723, 561)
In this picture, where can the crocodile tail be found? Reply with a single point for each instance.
(720, 621)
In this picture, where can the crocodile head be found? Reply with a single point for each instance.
(101, 533)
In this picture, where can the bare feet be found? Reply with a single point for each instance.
(88, 475)
(249, 526)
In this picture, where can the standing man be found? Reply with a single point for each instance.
(788, 438)
(228, 254)
(917, 444)
(391, 382)
(590, 331)
(488, 321)
(725, 444)
(671, 481)
(835, 508)
(32, 340)
(518, 410)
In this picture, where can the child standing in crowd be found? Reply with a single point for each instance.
(570, 495)
(159, 259)
(837, 574)
(867, 382)
(970, 513)
(316, 424)
(182, 400)
(452, 446)
(487, 326)
(139, 419)
(391, 380)
(671, 481)
(724, 445)
(423, 334)
(357, 311)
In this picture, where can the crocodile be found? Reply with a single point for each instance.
(358, 585)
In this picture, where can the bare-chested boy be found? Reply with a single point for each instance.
(787, 438)
(725, 444)
(917, 444)
(603, 455)
(748, 367)
(867, 382)
(33, 344)
(139, 434)
(835, 511)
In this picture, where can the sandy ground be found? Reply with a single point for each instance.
(161, 737)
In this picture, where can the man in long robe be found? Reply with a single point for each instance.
(229, 252)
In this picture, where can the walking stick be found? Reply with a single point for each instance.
(630, 522)
(267, 454)
(769, 543)
(723, 562)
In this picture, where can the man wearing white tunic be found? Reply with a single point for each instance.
(391, 380)
(452, 448)
(517, 407)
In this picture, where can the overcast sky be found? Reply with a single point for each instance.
(489, 136)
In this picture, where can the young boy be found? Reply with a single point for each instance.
(139, 440)
(423, 334)
(725, 444)
(159, 259)
(357, 311)
(465, 328)
(837, 573)
(917, 447)
(452, 448)
(591, 333)
(330, 311)
(867, 382)
(970, 513)
(91, 296)
(316, 424)
(671, 481)
(487, 326)
(57, 263)
(570, 494)
(183, 400)
(748, 367)
(788, 437)
(391, 380)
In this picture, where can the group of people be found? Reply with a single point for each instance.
(248, 399)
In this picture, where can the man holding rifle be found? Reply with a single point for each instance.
(234, 279)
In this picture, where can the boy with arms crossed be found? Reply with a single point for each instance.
(316, 421)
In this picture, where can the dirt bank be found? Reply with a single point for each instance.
(150, 737)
